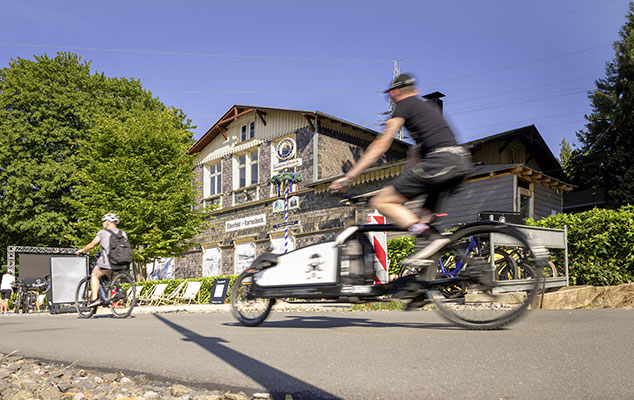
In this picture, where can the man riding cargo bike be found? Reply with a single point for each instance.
(343, 270)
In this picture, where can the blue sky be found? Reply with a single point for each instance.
(501, 63)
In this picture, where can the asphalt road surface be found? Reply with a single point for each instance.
(578, 354)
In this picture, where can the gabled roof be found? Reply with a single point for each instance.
(533, 141)
(220, 127)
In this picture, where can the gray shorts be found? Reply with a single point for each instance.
(442, 170)
(6, 294)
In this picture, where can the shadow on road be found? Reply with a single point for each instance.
(278, 383)
(326, 322)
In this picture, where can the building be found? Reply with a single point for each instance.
(239, 154)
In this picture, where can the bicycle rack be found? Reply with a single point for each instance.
(549, 238)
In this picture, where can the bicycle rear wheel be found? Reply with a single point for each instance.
(122, 295)
(30, 299)
(489, 302)
(82, 298)
(248, 309)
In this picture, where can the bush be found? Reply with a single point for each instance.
(398, 249)
(600, 245)
(205, 288)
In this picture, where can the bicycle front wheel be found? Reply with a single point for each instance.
(122, 295)
(82, 298)
(248, 309)
(489, 302)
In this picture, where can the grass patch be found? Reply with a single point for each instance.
(392, 305)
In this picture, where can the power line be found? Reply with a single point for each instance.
(497, 33)
(521, 90)
(519, 101)
(564, 123)
(517, 65)
(276, 92)
(519, 121)
(180, 53)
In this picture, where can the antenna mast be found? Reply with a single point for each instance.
(396, 72)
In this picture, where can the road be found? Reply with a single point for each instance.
(559, 354)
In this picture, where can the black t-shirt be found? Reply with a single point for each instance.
(425, 124)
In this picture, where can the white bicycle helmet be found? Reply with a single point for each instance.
(112, 217)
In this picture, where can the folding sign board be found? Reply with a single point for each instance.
(219, 291)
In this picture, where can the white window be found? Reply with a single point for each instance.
(246, 169)
(247, 131)
(215, 180)
(525, 198)
(211, 261)
(244, 256)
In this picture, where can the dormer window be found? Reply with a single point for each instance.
(247, 131)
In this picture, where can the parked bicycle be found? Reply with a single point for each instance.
(116, 291)
(27, 291)
(449, 266)
(516, 270)
(343, 271)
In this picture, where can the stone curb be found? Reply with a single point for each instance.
(621, 296)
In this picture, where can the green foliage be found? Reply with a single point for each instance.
(379, 306)
(205, 288)
(74, 145)
(565, 154)
(137, 168)
(285, 177)
(600, 245)
(398, 249)
(604, 157)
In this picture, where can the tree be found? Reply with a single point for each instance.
(53, 115)
(137, 167)
(604, 157)
(565, 154)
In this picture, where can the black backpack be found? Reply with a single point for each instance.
(120, 252)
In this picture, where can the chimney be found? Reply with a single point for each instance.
(435, 99)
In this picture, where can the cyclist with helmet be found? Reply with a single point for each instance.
(103, 267)
(439, 164)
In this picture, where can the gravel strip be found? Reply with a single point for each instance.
(26, 379)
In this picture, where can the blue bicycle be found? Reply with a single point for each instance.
(450, 265)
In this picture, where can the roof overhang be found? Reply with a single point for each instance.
(533, 140)
(390, 170)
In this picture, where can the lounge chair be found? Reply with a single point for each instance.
(145, 298)
(158, 294)
(171, 298)
(191, 292)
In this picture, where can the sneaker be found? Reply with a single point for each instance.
(94, 303)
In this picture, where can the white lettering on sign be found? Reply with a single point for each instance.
(245, 223)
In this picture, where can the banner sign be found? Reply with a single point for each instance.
(245, 223)
(283, 224)
(296, 162)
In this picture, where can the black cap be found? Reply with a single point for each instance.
(402, 81)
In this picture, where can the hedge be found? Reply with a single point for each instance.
(600, 245)
(398, 249)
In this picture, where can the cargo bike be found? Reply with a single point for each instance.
(343, 270)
